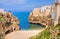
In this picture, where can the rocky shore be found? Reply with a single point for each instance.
(8, 23)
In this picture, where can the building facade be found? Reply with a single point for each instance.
(57, 12)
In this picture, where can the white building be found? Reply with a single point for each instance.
(57, 12)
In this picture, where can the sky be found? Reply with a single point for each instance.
(23, 5)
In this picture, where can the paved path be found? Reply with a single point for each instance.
(23, 34)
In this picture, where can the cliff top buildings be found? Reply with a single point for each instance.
(51, 11)
(43, 11)
(57, 12)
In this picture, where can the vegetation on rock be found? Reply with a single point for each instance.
(52, 32)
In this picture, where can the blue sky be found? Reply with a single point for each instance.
(23, 5)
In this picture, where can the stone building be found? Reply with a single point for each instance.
(57, 12)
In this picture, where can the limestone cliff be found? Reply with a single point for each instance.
(8, 23)
(41, 17)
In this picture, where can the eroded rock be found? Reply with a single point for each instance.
(41, 17)
(8, 23)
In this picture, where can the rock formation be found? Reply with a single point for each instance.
(41, 17)
(8, 23)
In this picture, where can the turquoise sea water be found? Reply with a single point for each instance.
(24, 23)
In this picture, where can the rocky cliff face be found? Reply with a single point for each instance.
(41, 16)
(8, 23)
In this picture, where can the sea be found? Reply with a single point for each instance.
(24, 23)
